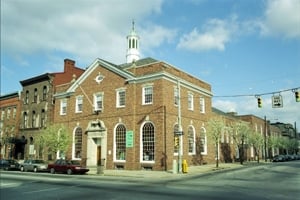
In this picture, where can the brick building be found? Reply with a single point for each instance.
(10, 142)
(127, 115)
(37, 105)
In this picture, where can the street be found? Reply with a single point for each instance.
(267, 181)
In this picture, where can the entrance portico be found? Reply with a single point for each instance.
(96, 144)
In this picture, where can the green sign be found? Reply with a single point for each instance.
(129, 139)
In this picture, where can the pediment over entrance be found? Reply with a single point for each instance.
(95, 126)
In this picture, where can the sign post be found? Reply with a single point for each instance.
(129, 138)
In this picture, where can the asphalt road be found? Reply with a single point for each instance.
(276, 181)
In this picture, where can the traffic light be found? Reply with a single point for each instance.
(176, 141)
(259, 102)
(297, 96)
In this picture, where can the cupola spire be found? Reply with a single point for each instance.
(133, 53)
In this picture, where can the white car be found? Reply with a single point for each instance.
(34, 165)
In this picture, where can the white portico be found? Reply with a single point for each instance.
(96, 144)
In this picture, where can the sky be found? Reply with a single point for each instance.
(242, 48)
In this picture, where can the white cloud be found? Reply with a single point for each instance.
(282, 17)
(83, 29)
(215, 34)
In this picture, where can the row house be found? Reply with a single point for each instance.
(10, 142)
(125, 116)
(37, 105)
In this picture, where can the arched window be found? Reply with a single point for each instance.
(176, 139)
(26, 100)
(120, 142)
(191, 138)
(77, 143)
(25, 120)
(43, 118)
(148, 142)
(203, 141)
(45, 93)
(35, 95)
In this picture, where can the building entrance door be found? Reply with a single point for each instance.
(99, 155)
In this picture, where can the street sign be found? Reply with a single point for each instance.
(277, 101)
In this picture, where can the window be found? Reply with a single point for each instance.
(25, 119)
(43, 118)
(148, 95)
(26, 100)
(44, 93)
(98, 102)
(79, 102)
(8, 113)
(121, 95)
(191, 139)
(63, 107)
(2, 115)
(77, 141)
(203, 142)
(176, 96)
(120, 143)
(202, 105)
(33, 125)
(176, 139)
(14, 113)
(190, 101)
(35, 95)
(148, 142)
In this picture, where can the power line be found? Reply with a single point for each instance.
(257, 95)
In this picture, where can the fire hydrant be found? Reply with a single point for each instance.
(184, 166)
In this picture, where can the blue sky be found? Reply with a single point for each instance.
(239, 47)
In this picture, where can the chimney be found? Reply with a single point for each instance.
(68, 64)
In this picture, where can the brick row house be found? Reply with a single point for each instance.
(37, 105)
(11, 144)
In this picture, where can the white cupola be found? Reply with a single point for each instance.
(133, 53)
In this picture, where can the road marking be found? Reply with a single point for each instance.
(45, 190)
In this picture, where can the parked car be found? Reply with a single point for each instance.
(67, 166)
(279, 158)
(34, 165)
(9, 164)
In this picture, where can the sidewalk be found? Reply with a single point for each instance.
(192, 171)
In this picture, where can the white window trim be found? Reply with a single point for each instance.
(73, 145)
(63, 102)
(143, 94)
(118, 98)
(202, 104)
(114, 146)
(95, 101)
(77, 103)
(203, 131)
(191, 98)
(194, 142)
(141, 145)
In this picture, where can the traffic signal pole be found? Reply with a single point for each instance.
(179, 130)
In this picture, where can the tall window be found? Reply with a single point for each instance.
(63, 107)
(45, 93)
(79, 103)
(14, 112)
(147, 95)
(190, 101)
(43, 118)
(176, 139)
(120, 142)
(202, 105)
(148, 142)
(35, 95)
(33, 125)
(121, 95)
(176, 96)
(191, 138)
(203, 141)
(26, 100)
(78, 143)
(8, 113)
(25, 119)
(98, 101)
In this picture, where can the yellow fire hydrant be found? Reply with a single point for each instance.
(184, 166)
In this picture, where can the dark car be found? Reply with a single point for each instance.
(34, 165)
(9, 164)
(67, 166)
(279, 158)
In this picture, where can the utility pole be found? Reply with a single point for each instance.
(180, 132)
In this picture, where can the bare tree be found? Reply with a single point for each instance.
(256, 140)
(216, 126)
(240, 131)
